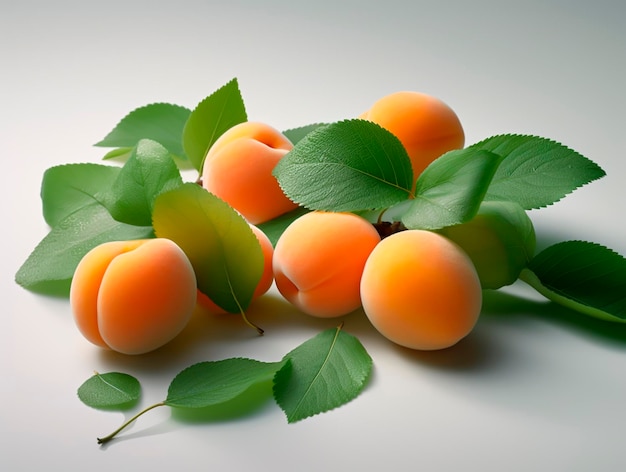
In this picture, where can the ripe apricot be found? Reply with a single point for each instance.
(500, 240)
(426, 126)
(266, 281)
(420, 290)
(133, 296)
(238, 169)
(319, 259)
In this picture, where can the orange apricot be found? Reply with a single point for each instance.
(426, 126)
(238, 169)
(318, 261)
(133, 296)
(420, 290)
(266, 281)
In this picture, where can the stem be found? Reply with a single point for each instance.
(530, 278)
(243, 313)
(251, 324)
(387, 228)
(380, 217)
(106, 439)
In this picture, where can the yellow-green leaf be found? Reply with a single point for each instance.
(224, 252)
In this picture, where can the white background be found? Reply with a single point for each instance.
(534, 387)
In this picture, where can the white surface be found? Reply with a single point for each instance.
(528, 390)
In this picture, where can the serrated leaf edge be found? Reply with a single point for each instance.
(202, 103)
(602, 172)
(312, 135)
(286, 370)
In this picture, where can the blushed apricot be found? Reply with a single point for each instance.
(500, 240)
(133, 296)
(318, 261)
(426, 126)
(238, 169)
(266, 281)
(420, 290)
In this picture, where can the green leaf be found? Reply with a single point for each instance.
(161, 122)
(214, 382)
(296, 134)
(324, 372)
(217, 113)
(535, 171)
(351, 165)
(450, 190)
(118, 154)
(223, 250)
(149, 171)
(274, 228)
(68, 188)
(51, 265)
(112, 390)
(584, 276)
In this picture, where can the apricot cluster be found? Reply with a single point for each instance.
(135, 296)
(420, 289)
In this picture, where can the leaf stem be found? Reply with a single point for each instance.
(380, 217)
(107, 438)
(251, 324)
(530, 278)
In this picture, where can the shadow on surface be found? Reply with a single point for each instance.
(499, 303)
(475, 352)
(482, 350)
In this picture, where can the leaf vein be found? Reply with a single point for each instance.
(319, 372)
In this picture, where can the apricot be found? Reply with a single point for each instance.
(500, 240)
(420, 290)
(319, 259)
(426, 126)
(266, 281)
(238, 169)
(133, 296)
